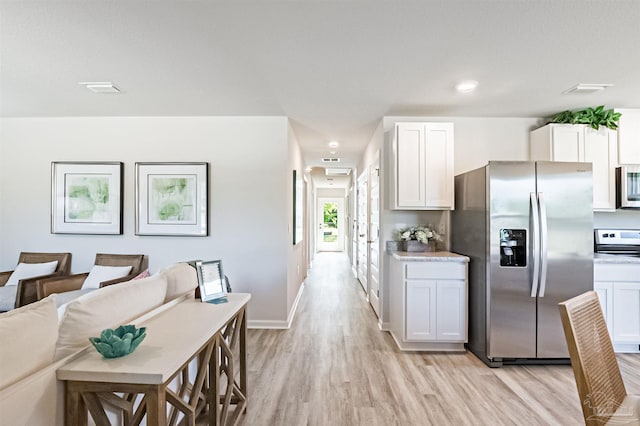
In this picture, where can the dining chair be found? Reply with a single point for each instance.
(25, 291)
(603, 397)
(108, 269)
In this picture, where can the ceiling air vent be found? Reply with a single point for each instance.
(337, 172)
(330, 160)
(587, 88)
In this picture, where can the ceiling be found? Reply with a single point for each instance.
(335, 68)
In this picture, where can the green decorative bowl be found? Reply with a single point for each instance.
(119, 342)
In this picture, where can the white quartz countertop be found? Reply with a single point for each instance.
(614, 259)
(429, 256)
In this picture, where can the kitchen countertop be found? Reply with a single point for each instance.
(614, 259)
(429, 256)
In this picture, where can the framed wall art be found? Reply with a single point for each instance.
(86, 198)
(298, 208)
(172, 199)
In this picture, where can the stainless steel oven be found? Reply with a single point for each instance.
(628, 187)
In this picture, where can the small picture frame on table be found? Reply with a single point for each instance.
(211, 281)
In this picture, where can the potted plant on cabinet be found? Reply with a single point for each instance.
(419, 238)
(593, 117)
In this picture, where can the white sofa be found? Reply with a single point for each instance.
(41, 342)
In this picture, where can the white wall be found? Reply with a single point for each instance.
(250, 187)
(296, 253)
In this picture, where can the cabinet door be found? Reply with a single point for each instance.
(628, 136)
(439, 165)
(626, 312)
(605, 290)
(600, 149)
(420, 311)
(451, 306)
(410, 165)
(567, 143)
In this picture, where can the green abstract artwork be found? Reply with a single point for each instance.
(87, 198)
(172, 199)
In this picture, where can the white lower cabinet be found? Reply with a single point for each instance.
(428, 302)
(618, 288)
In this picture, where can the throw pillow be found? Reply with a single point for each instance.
(28, 337)
(31, 270)
(101, 273)
(141, 275)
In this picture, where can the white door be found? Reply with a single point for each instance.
(353, 219)
(331, 224)
(362, 230)
(374, 233)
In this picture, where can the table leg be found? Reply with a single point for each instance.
(75, 410)
(156, 406)
(243, 356)
(214, 383)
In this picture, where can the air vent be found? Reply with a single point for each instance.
(330, 160)
(586, 88)
(103, 87)
(337, 172)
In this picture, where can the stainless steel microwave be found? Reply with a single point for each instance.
(628, 187)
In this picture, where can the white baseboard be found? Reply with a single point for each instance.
(384, 326)
(278, 324)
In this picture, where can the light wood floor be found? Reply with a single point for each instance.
(335, 367)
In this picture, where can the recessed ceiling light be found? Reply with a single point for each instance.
(467, 86)
(105, 87)
(587, 88)
(334, 144)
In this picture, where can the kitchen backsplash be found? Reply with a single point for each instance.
(618, 219)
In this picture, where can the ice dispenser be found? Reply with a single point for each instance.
(513, 247)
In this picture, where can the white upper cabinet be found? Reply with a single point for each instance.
(581, 143)
(629, 136)
(423, 166)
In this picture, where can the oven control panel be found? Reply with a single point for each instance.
(627, 237)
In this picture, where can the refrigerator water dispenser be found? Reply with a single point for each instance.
(513, 247)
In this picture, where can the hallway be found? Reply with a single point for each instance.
(335, 367)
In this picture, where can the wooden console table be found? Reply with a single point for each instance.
(213, 336)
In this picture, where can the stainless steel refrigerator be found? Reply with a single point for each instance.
(528, 230)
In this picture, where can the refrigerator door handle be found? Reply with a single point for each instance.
(543, 243)
(536, 244)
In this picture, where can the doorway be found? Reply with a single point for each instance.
(330, 224)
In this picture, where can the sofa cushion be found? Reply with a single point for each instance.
(100, 273)
(30, 270)
(8, 297)
(28, 337)
(181, 279)
(107, 307)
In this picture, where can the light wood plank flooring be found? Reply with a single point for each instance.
(335, 367)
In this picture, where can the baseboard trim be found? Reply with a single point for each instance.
(384, 326)
(278, 324)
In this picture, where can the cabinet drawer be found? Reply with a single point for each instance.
(436, 270)
(625, 272)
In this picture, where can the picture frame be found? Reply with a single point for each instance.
(211, 280)
(86, 197)
(298, 208)
(172, 199)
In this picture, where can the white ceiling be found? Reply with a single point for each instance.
(334, 67)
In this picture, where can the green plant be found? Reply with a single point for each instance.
(594, 117)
